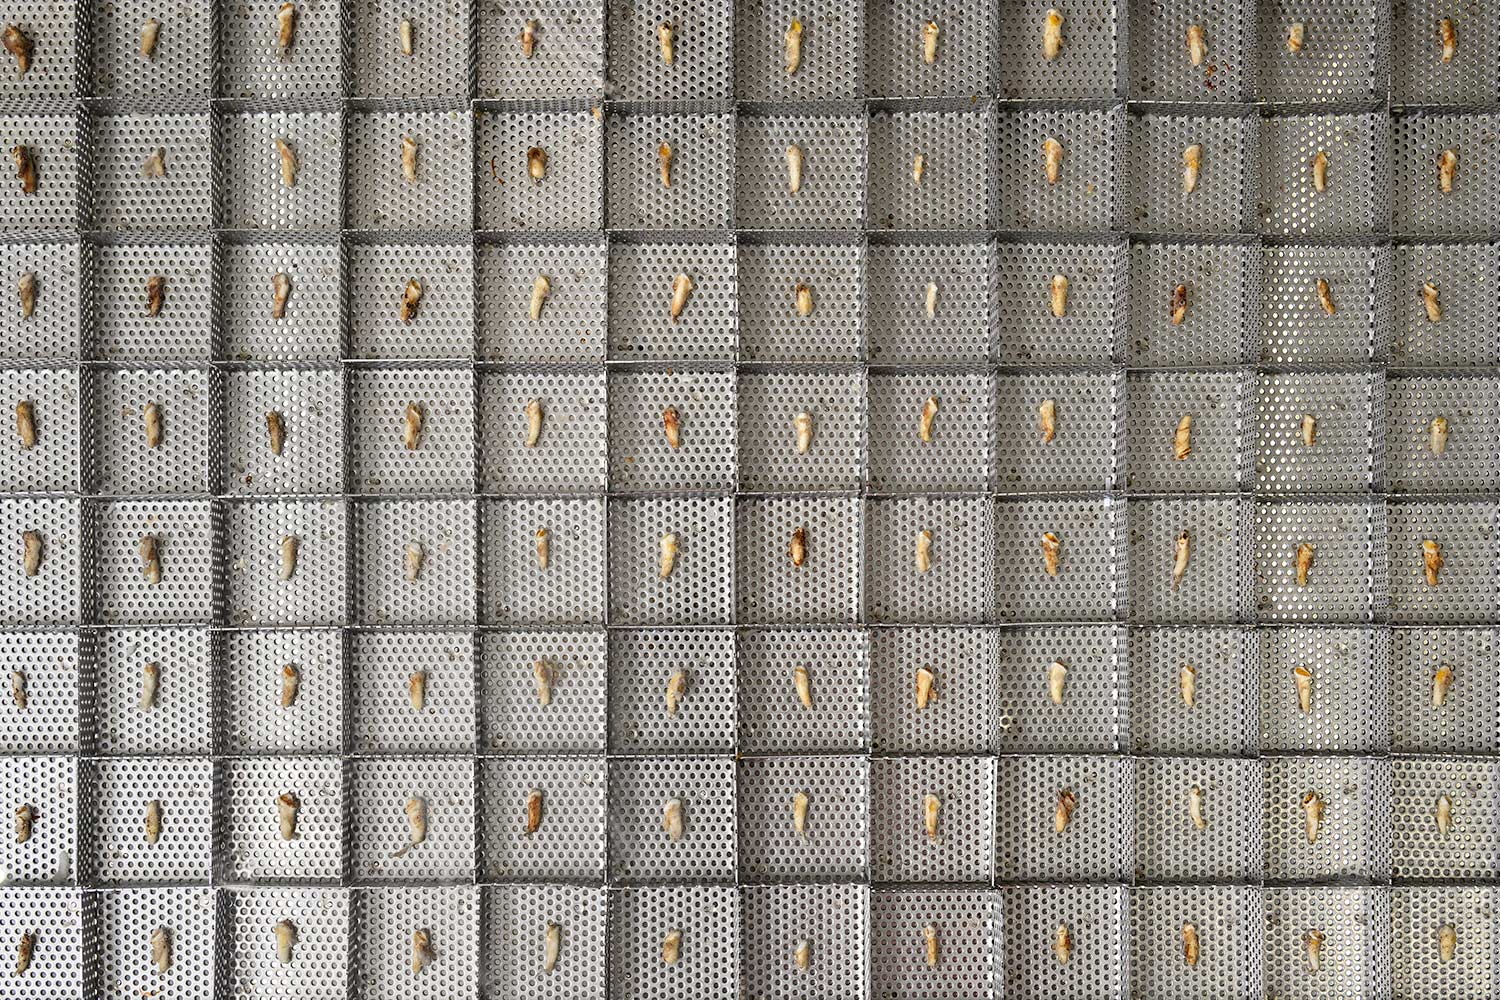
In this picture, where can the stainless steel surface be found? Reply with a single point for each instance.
(862, 883)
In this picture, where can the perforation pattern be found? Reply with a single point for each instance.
(444, 590)
(1095, 916)
(894, 65)
(766, 408)
(252, 720)
(250, 821)
(830, 66)
(320, 955)
(642, 663)
(189, 587)
(49, 785)
(572, 324)
(255, 195)
(443, 326)
(515, 927)
(380, 197)
(385, 919)
(1084, 197)
(1417, 914)
(568, 60)
(1466, 276)
(569, 843)
(50, 663)
(1421, 206)
(770, 587)
(1224, 717)
(54, 329)
(954, 192)
(832, 192)
(54, 463)
(1343, 579)
(897, 327)
(773, 719)
(126, 920)
(1421, 77)
(53, 30)
(1359, 175)
(383, 717)
(701, 195)
(1339, 460)
(1464, 405)
(118, 852)
(124, 198)
(182, 65)
(640, 849)
(641, 457)
(967, 923)
(511, 718)
(1095, 846)
(56, 594)
(958, 586)
(1222, 282)
(641, 278)
(56, 917)
(832, 845)
(1157, 402)
(443, 461)
(1093, 713)
(1466, 591)
(567, 198)
(1213, 589)
(958, 456)
(1355, 954)
(1464, 723)
(316, 592)
(1160, 69)
(570, 590)
(251, 64)
(438, 65)
(1353, 840)
(1086, 67)
(833, 920)
(958, 717)
(1419, 849)
(1344, 54)
(900, 850)
(54, 141)
(310, 329)
(770, 328)
(311, 405)
(709, 919)
(381, 788)
(569, 455)
(702, 66)
(1220, 202)
(180, 718)
(124, 328)
(1296, 328)
(1170, 847)
(1229, 922)
(1347, 710)
(1090, 575)
(1083, 453)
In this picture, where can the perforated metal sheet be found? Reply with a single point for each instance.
(604, 357)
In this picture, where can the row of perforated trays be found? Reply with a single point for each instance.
(921, 819)
(862, 942)
(1072, 431)
(1074, 171)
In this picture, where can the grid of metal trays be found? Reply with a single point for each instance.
(156, 758)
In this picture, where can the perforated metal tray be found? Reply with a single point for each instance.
(601, 625)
